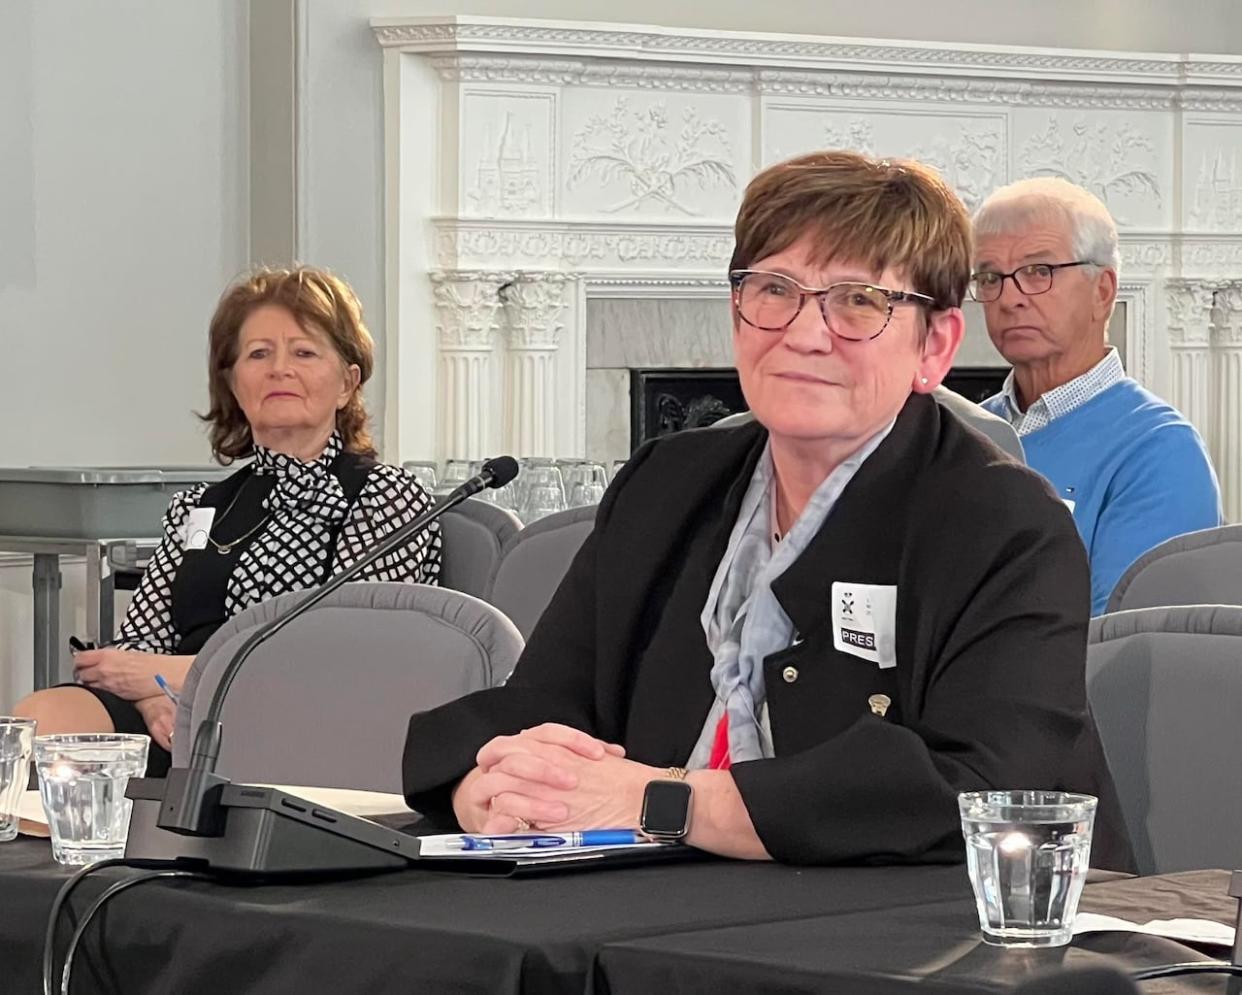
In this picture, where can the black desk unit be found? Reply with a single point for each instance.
(419, 931)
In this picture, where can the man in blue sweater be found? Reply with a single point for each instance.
(1131, 469)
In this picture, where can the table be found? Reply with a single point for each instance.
(437, 932)
(104, 558)
(933, 947)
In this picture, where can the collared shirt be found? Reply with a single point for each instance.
(1061, 400)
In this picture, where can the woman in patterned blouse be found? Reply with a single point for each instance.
(288, 357)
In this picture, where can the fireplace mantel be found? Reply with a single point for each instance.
(535, 166)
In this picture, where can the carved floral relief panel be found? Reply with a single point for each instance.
(969, 149)
(1123, 157)
(667, 157)
(1212, 174)
(508, 154)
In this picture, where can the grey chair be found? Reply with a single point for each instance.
(999, 431)
(1198, 568)
(327, 700)
(534, 562)
(1165, 686)
(473, 534)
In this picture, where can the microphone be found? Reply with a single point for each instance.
(191, 802)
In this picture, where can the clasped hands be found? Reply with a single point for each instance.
(551, 777)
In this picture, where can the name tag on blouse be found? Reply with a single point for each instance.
(864, 621)
(199, 527)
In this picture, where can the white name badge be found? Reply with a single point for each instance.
(198, 527)
(864, 621)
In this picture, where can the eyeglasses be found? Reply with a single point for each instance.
(1036, 278)
(856, 312)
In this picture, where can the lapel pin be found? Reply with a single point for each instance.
(879, 704)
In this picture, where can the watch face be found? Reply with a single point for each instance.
(666, 809)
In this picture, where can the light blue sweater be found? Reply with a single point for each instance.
(1135, 470)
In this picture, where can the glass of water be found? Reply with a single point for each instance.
(82, 779)
(425, 471)
(16, 743)
(1027, 854)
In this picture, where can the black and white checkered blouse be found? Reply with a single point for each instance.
(290, 553)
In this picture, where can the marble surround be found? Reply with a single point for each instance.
(539, 172)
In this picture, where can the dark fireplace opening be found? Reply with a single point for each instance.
(669, 400)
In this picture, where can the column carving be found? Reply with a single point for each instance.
(1190, 320)
(533, 304)
(1227, 364)
(468, 318)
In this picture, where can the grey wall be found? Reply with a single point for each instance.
(123, 159)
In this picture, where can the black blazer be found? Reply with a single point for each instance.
(993, 599)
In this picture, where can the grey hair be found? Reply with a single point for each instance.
(1052, 201)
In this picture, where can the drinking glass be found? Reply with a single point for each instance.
(82, 780)
(544, 493)
(16, 743)
(425, 471)
(1027, 854)
(585, 484)
(616, 467)
(456, 471)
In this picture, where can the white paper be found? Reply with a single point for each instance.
(1190, 930)
(30, 812)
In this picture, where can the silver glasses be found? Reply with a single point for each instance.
(852, 311)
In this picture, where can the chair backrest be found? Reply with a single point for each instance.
(327, 700)
(473, 535)
(1198, 568)
(971, 414)
(534, 562)
(1165, 686)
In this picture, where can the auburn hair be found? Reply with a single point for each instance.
(318, 302)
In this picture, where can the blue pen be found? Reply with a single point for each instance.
(547, 841)
(159, 679)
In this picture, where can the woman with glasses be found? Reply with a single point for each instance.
(798, 639)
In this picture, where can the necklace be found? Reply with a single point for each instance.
(225, 548)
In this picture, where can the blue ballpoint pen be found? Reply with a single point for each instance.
(546, 841)
(159, 679)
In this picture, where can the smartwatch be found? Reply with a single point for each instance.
(666, 810)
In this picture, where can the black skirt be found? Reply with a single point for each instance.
(127, 719)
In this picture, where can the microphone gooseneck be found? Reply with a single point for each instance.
(191, 797)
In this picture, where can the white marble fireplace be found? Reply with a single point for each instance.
(559, 200)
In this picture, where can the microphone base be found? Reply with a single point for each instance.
(267, 832)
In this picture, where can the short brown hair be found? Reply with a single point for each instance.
(318, 301)
(879, 213)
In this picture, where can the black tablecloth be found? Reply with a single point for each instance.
(743, 926)
(416, 930)
(929, 948)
